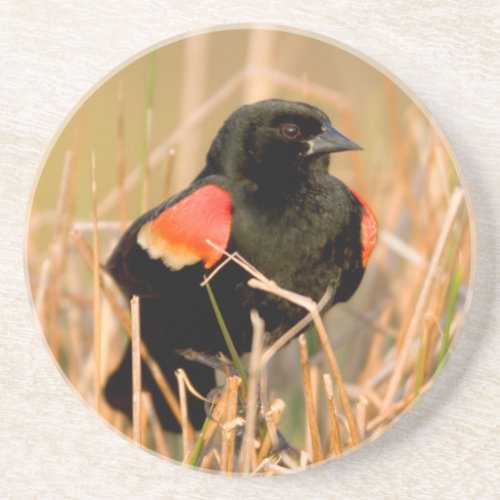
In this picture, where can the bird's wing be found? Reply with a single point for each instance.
(369, 229)
(174, 236)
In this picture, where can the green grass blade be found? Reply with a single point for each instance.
(312, 341)
(450, 311)
(198, 445)
(227, 337)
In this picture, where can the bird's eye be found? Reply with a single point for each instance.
(290, 130)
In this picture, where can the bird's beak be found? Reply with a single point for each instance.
(331, 141)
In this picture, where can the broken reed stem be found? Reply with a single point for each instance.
(210, 426)
(261, 282)
(415, 322)
(229, 434)
(247, 447)
(96, 291)
(273, 418)
(180, 374)
(308, 393)
(296, 329)
(334, 367)
(334, 441)
(361, 407)
(136, 370)
(312, 307)
(211, 460)
(155, 370)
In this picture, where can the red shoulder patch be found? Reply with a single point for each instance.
(178, 235)
(369, 230)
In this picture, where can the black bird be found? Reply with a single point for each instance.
(266, 193)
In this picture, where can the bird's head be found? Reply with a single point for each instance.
(275, 140)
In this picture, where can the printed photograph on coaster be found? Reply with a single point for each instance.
(250, 250)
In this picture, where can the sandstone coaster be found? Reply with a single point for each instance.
(250, 250)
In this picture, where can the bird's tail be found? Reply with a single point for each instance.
(118, 388)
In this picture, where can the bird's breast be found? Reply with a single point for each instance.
(300, 245)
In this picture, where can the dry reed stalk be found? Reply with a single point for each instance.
(401, 248)
(273, 418)
(465, 251)
(277, 469)
(122, 195)
(259, 54)
(260, 282)
(312, 307)
(334, 440)
(372, 364)
(355, 158)
(96, 292)
(407, 295)
(361, 407)
(144, 426)
(148, 128)
(65, 198)
(228, 434)
(391, 218)
(288, 461)
(160, 442)
(194, 73)
(262, 467)
(218, 413)
(308, 393)
(297, 84)
(370, 317)
(161, 151)
(437, 304)
(57, 254)
(74, 323)
(42, 290)
(247, 447)
(136, 370)
(209, 458)
(398, 145)
(146, 178)
(155, 370)
(389, 413)
(372, 396)
(455, 202)
(109, 329)
(180, 374)
(167, 174)
(292, 332)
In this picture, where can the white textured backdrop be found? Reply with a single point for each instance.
(51, 53)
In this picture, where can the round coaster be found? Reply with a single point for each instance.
(250, 250)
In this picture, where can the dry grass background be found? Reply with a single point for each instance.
(143, 134)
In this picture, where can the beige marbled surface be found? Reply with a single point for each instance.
(51, 53)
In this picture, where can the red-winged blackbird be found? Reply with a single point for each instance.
(266, 193)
